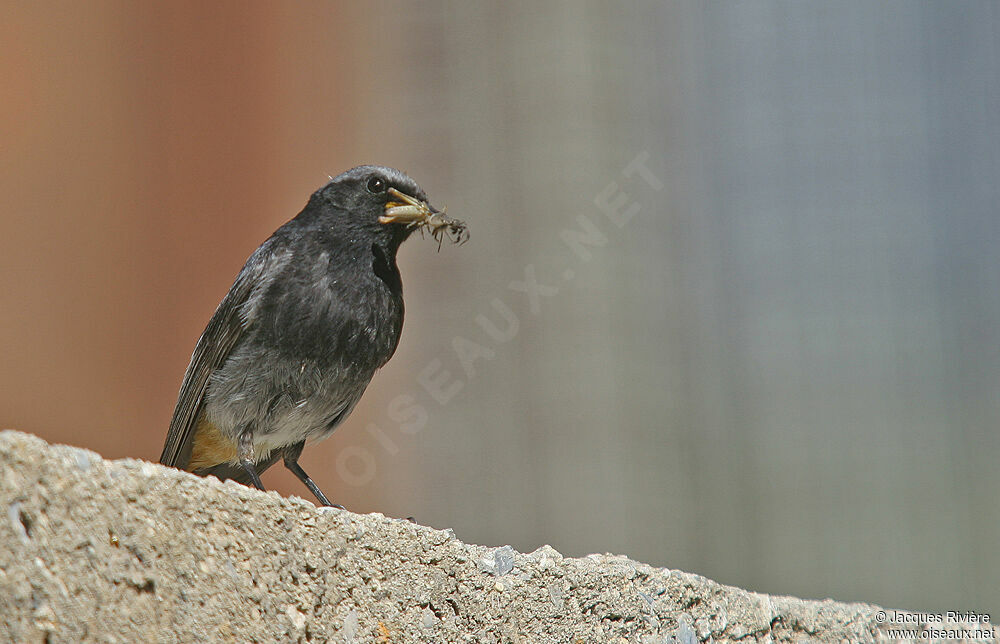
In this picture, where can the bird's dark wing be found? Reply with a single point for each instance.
(234, 315)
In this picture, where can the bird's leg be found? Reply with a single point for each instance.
(291, 456)
(246, 458)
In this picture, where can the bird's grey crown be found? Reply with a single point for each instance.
(395, 178)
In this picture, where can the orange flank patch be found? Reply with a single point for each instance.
(210, 446)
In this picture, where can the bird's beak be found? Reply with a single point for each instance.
(414, 213)
(404, 209)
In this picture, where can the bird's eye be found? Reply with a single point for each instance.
(376, 185)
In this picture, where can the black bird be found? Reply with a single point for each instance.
(316, 310)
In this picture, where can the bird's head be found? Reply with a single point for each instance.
(384, 205)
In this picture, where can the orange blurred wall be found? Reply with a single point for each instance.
(142, 162)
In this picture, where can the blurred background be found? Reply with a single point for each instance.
(731, 303)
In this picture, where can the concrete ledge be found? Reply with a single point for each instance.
(129, 551)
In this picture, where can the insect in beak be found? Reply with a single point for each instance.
(404, 209)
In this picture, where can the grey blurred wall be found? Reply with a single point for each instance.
(731, 302)
(783, 372)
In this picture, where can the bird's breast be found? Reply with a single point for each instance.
(335, 321)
